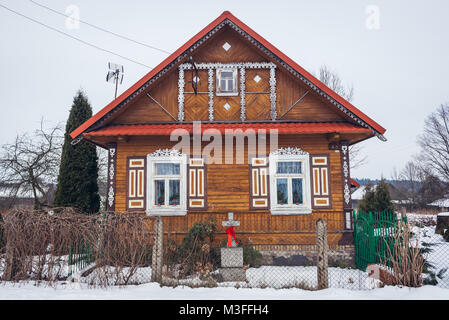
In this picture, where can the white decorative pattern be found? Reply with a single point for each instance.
(240, 65)
(257, 78)
(227, 106)
(273, 93)
(181, 83)
(242, 94)
(166, 153)
(289, 151)
(211, 94)
(345, 166)
(226, 46)
(111, 173)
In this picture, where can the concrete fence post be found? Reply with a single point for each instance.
(158, 255)
(322, 254)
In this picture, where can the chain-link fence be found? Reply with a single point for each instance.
(203, 252)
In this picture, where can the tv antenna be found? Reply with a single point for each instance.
(115, 73)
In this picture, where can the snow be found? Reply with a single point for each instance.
(152, 291)
(443, 214)
(442, 203)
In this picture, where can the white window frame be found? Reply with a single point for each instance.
(167, 210)
(290, 208)
(235, 90)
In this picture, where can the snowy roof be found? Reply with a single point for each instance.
(359, 193)
(442, 203)
(443, 214)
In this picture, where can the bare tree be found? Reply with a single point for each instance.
(31, 162)
(434, 142)
(411, 174)
(332, 80)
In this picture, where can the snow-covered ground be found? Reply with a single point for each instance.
(438, 257)
(152, 291)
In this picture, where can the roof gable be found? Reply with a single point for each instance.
(226, 18)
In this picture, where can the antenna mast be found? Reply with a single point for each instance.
(115, 74)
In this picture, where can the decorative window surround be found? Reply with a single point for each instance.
(290, 154)
(242, 66)
(166, 156)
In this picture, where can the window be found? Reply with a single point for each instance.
(166, 181)
(290, 184)
(227, 82)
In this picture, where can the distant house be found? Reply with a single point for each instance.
(443, 204)
(13, 197)
(399, 200)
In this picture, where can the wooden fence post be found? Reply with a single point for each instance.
(158, 255)
(322, 258)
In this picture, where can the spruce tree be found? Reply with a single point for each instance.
(377, 199)
(78, 173)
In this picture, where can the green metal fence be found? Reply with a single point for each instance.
(81, 254)
(373, 236)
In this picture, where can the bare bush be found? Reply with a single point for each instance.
(404, 259)
(37, 243)
(125, 245)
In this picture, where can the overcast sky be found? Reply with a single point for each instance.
(394, 53)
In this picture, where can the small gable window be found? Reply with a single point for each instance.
(227, 82)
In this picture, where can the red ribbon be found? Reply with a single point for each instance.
(231, 234)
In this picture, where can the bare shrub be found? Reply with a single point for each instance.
(125, 245)
(37, 243)
(404, 259)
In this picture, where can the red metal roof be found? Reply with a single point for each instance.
(198, 36)
(354, 183)
(282, 127)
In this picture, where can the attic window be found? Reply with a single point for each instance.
(227, 82)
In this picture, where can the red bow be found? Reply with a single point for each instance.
(231, 234)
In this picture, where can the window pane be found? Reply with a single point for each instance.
(282, 191)
(159, 192)
(227, 75)
(173, 192)
(297, 191)
(223, 85)
(289, 167)
(230, 85)
(163, 169)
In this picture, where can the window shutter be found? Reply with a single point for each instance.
(320, 172)
(259, 183)
(135, 183)
(196, 184)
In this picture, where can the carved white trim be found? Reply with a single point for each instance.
(289, 151)
(166, 153)
(273, 93)
(181, 83)
(242, 66)
(111, 173)
(236, 65)
(211, 93)
(242, 94)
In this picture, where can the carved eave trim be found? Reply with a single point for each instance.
(289, 151)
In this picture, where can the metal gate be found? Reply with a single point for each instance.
(374, 235)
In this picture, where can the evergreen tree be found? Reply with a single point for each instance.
(78, 173)
(377, 199)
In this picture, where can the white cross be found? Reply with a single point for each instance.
(231, 223)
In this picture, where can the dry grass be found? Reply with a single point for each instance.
(404, 260)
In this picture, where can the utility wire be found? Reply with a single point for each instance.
(101, 29)
(74, 38)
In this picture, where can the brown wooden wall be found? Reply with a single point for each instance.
(288, 90)
(228, 190)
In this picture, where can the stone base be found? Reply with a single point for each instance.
(233, 274)
(232, 257)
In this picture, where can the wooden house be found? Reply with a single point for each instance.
(228, 80)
